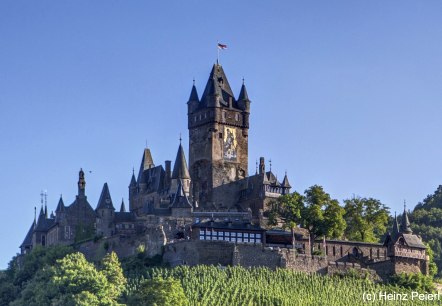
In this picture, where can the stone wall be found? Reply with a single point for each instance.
(153, 240)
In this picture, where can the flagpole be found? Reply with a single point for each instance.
(217, 49)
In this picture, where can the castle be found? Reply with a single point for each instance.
(212, 205)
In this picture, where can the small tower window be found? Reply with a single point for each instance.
(237, 117)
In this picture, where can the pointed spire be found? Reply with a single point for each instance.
(193, 93)
(133, 181)
(105, 201)
(35, 216)
(60, 206)
(405, 225)
(122, 207)
(180, 170)
(243, 96)
(395, 230)
(285, 182)
(180, 200)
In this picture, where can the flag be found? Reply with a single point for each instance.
(221, 46)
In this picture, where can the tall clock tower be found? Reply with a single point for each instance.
(218, 138)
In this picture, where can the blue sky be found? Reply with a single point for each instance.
(345, 94)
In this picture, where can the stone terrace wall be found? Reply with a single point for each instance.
(194, 252)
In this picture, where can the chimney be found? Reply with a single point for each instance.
(168, 172)
(262, 166)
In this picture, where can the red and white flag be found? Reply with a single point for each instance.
(221, 46)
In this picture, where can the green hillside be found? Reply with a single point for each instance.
(71, 280)
(426, 220)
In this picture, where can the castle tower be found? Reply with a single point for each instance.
(105, 213)
(218, 137)
(180, 172)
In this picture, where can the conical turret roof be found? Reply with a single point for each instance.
(285, 182)
(243, 94)
(133, 181)
(60, 206)
(193, 94)
(180, 170)
(105, 201)
(180, 200)
(122, 207)
(405, 225)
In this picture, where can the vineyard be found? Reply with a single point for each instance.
(205, 285)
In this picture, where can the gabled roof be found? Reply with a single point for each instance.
(413, 241)
(272, 178)
(217, 84)
(180, 200)
(180, 170)
(44, 224)
(105, 201)
(153, 178)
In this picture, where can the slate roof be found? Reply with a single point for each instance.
(28, 238)
(272, 178)
(60, 206)
(413, 241)
(44, 224)
(193, 94)
(124, 217)
(105, 201)
(153, 178)
(217, 84)
(243, 94)
(285, 182)
(180, 170)
(180, 200)
(122, 207)
(405, 224)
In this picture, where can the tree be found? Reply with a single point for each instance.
(322, 215)
(160, 292)
(287, 209)
(111, 268)
(366, 219)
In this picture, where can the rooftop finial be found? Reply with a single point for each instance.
(193, 81)
(180, 138)
(270, 164)
(133, 170)
(405, 205)
(243, 80)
